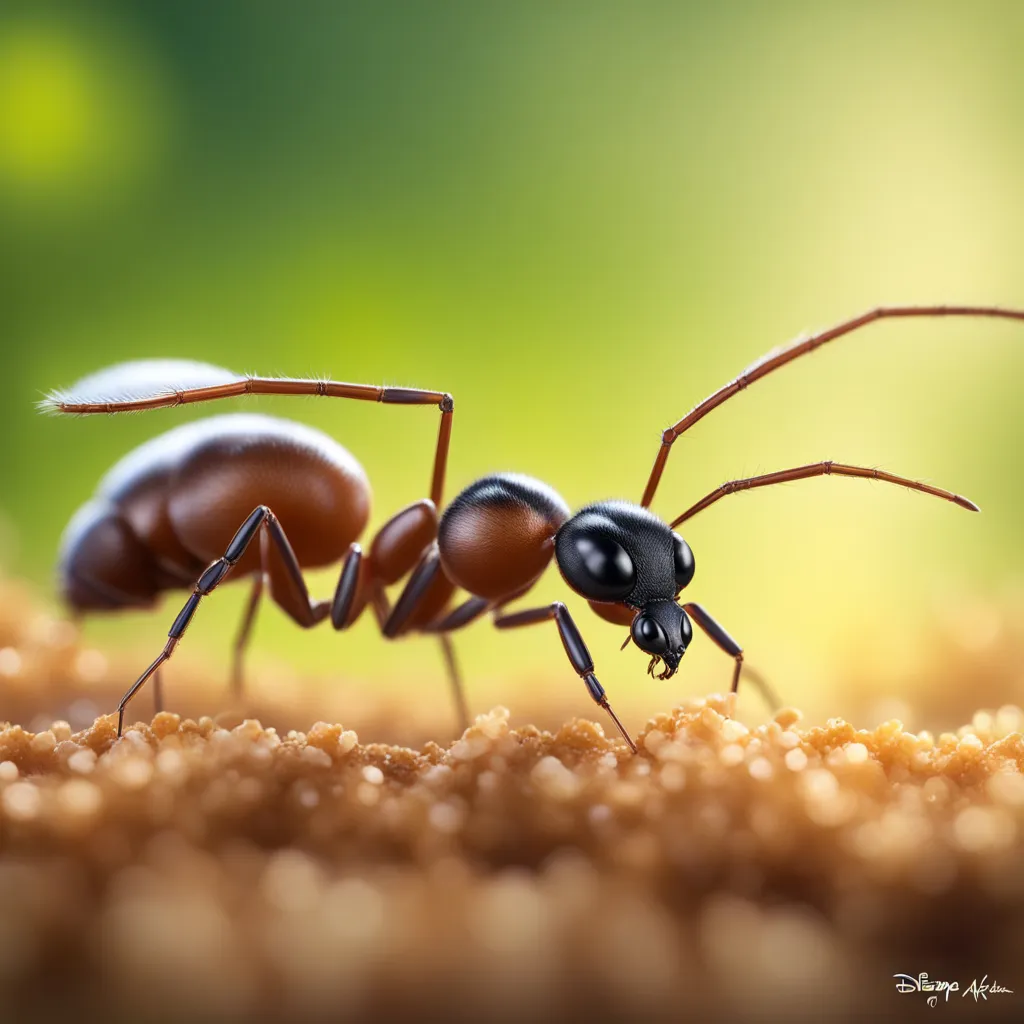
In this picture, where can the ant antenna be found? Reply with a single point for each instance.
(820, 469)
(780, 357)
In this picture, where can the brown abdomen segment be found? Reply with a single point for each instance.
(497, 536)
(103, 565)
(171, 506)
(314, 486)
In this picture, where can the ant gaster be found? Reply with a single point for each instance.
(184, 509)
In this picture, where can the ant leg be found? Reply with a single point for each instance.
(470, 609)
(575, 649)
(137, 685)
(355, 587)
(345, 592)
(284, 577)
(158, 693)
(416, 591)
(286, 587)
(461, 615)
(244, 632)
(206, 583)
(455, 678)
(733, 649)
(425, 586)
(767, 691)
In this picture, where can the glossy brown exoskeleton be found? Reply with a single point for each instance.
(241, 495)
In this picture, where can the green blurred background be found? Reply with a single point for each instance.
(579, 218)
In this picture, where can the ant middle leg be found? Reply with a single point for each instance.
(244, 635)
(421, 607)
(455, 679)
(575, 649)
(406, 542)
(447, 622)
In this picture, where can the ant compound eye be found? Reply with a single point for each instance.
(648, 635)
(608, 570)
(685, 566)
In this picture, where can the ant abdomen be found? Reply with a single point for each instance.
(171, 506)
(103, 565)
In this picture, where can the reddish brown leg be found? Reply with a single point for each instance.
(405, 543)
(455, 678)
(124, 389)
(780, 357)
(244, 633)
(398, 546)
(726, 643)
(424, 594)
(767, 691)
(575, 649)
(417, 609)
(351, 597)
(462, 615)
(158, 693)
(415, 591)
(819, 469)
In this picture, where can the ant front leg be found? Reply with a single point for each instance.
(575, 649)
(724, 641)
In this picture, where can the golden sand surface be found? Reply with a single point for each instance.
(223, 870)
(229, 873)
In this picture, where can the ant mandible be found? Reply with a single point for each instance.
(167, 517)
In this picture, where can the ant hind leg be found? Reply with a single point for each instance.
(281, 568)
(575, 649)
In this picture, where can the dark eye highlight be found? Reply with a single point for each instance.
(609, 569)
(648, 635)
(684, 563)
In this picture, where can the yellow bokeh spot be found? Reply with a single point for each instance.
(49, 108)
(79, 109)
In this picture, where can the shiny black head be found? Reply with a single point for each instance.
(617, 552)
(663, 630)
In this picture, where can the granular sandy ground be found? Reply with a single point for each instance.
(192, 871)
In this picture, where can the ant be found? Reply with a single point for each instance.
(184, 509)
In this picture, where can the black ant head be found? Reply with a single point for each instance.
(663, 630)
(617, 552)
